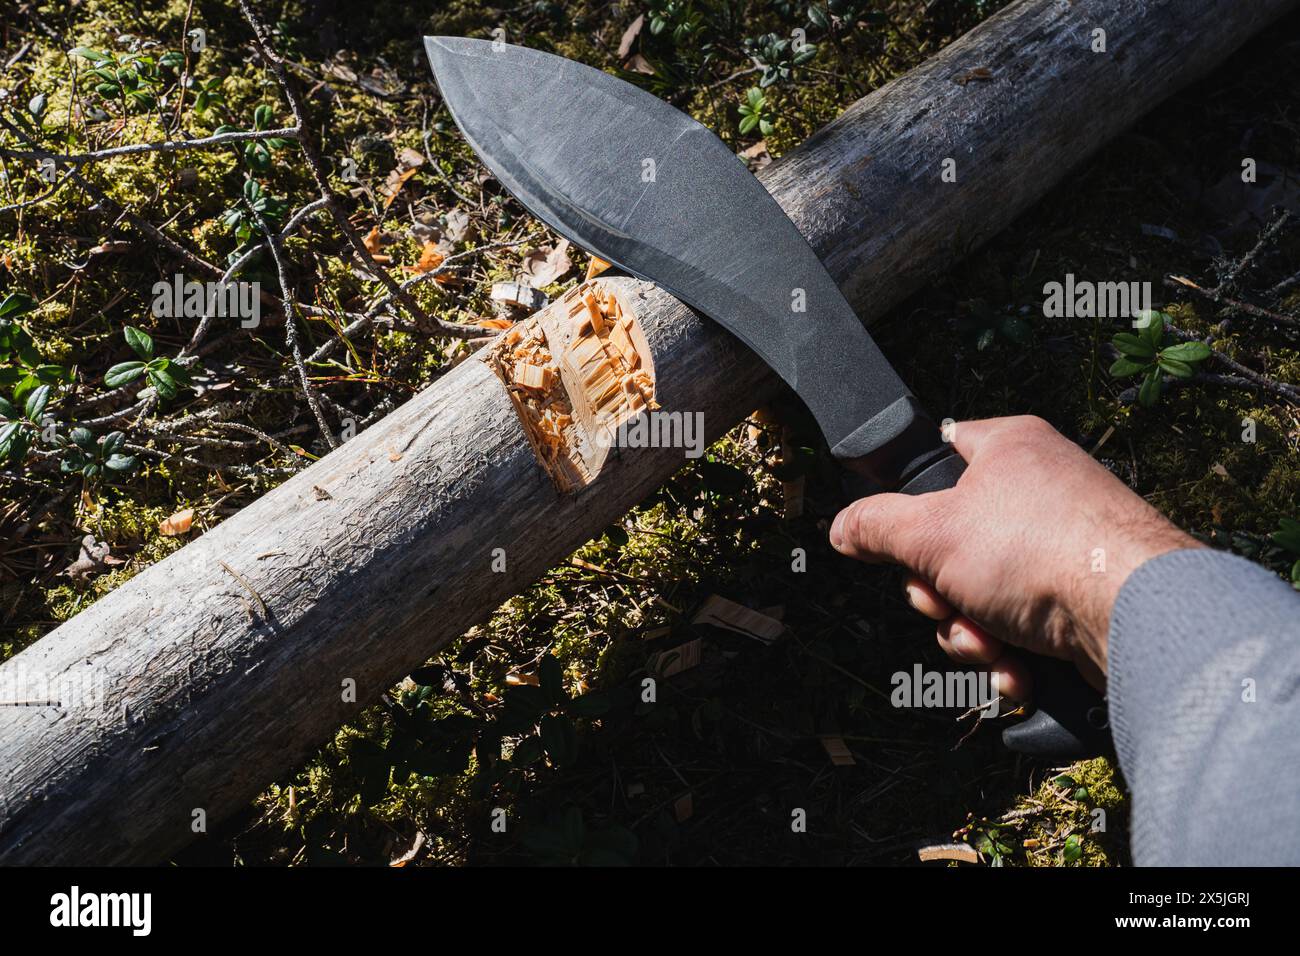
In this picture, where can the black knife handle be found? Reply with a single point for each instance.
(902, 449)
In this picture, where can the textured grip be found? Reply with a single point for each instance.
(1070, 718)
(942, 474)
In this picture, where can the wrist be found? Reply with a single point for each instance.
(1089, 606)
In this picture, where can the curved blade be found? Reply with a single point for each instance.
(641, 184)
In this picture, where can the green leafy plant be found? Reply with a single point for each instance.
(755, 113)
(1072, 852)
(257, 153)
(167, 377)
(676, 18)
(565, 839)
(835, 14)
(131, 79)
(1146, 355)
(241, 221)
(1287, 537)
(209, 94)
(21, 426)
(91, 457)
(777, 57)
(36, 107)
(992, 844)
(985, 325)
(21, 367)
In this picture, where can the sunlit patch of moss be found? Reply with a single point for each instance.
(1076, 817)
(131, 529)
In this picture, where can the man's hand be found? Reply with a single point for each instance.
(1031, 548)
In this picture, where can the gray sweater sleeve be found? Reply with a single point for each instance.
(1204, 686)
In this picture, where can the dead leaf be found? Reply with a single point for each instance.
(179, 523)
(410, 158)
(94, 557)
(118, 246)
(629, 36)
(373, 241)
(393, 185)
(543, 266)
(636, 63)
(756, 156)
(494, 324)
(430, 258)
(410, 854)
(341, 71)
(459, 227)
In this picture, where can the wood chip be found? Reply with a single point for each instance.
(534, 376)
(177, 524)
(671, 662)
(961, 852)
(684, 808)
(838, 751)
(723, 613)
(518, 294)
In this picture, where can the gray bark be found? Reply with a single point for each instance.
(201, 697)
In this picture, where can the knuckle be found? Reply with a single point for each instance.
(1032, 424)
(863, 524)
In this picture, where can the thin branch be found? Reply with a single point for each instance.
(446, 328)
(291, 328)
(167, 146)
(314, 164)
(1246, 308)
(63, 180)
(1281, 389)
(1265, 240)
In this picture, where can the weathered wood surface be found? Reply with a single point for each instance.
(202, 699)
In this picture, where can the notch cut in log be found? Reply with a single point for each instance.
(191, 703)
(577, 372)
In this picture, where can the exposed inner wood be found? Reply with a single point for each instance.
(575, 372)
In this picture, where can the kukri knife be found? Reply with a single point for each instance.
(639, 183)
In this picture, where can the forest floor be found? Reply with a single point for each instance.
(706, 775)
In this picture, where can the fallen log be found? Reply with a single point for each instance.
(182, 693)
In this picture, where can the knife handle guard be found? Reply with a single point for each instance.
(902, 449)
(895, 446)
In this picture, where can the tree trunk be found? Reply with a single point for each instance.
(192, 685)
